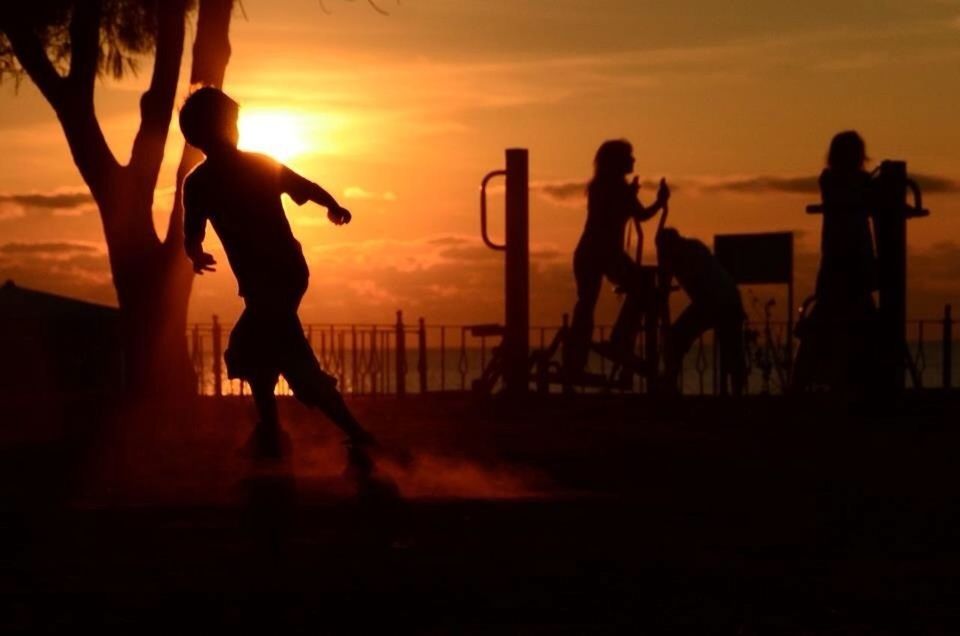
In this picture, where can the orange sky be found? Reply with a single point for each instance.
(401, 116)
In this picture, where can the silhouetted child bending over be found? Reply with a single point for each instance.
(715, 303)
(239, 193)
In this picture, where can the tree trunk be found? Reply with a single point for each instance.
(154, 279)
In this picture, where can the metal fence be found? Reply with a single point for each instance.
(399, 359)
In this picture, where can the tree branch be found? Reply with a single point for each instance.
(156, 104)
(29, 51)
(211, 54)
(84, 47)
(87, 144)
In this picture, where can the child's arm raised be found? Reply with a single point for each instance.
(302, 190)
(642, 213)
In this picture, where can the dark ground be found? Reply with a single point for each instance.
(593, 515)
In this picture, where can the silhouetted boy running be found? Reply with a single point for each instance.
(714, 303)
(239, 193)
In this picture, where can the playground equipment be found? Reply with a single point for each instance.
(512, 361)
(760, 259)
(890, 187)
(511, 358)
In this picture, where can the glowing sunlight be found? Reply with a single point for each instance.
(278, 133)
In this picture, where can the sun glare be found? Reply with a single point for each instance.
(280, 134)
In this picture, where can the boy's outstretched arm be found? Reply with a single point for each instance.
(302, 190)
(194, 228)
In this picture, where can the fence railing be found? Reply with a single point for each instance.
(400, 359)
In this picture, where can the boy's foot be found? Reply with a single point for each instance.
(375, 450)
(268, 442)
(359, 464)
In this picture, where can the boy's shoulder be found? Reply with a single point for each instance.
(241, 161)
(258, 160)
(197, 174)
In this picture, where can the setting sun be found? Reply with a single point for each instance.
(280, 134)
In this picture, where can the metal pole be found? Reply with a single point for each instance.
(422, 360)
(401, 360)
(516, 341)
(892, 260)
(353, 358)
(217, 360)
(443, 358)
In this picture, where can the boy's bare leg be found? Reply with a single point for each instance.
(267, 434)
(336, 409)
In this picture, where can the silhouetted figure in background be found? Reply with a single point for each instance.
(715, 303)
(239, 192)
(847, 275)
(611, 203)
(845, 314)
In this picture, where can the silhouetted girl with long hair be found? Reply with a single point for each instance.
(611, 203)
(847, 264)
(844, 317)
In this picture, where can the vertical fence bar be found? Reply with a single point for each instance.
(324, 360)
(374, 365)
(947, 347)
(920, 359)
(341, 357)
(385, 349)
(362, 368)
(197, 357)
(463, 359)
(217, 359)
(422, 359)
(443, 358)
(401, 359)
(353, 358)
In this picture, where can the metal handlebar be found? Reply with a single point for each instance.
(917, 209)
(483, 210)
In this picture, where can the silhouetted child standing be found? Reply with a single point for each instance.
(715, 303)
(845, 311)
(239, 193)
(611, 203)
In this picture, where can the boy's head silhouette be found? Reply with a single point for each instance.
(667, 239)
(208, 120)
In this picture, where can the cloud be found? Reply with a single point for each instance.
(762, 184)
(564, 192)
(449, 278)
(931, 184)
(48, 249)
(9, 211)
(574, 192)
(49, 201)
(56, 203)
(78, 270)
(356, 192)
(772, 184)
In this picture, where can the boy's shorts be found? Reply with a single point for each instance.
(268, 343)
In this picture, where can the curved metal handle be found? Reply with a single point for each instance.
(917, 209)
(483, 210)
(917, 196)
